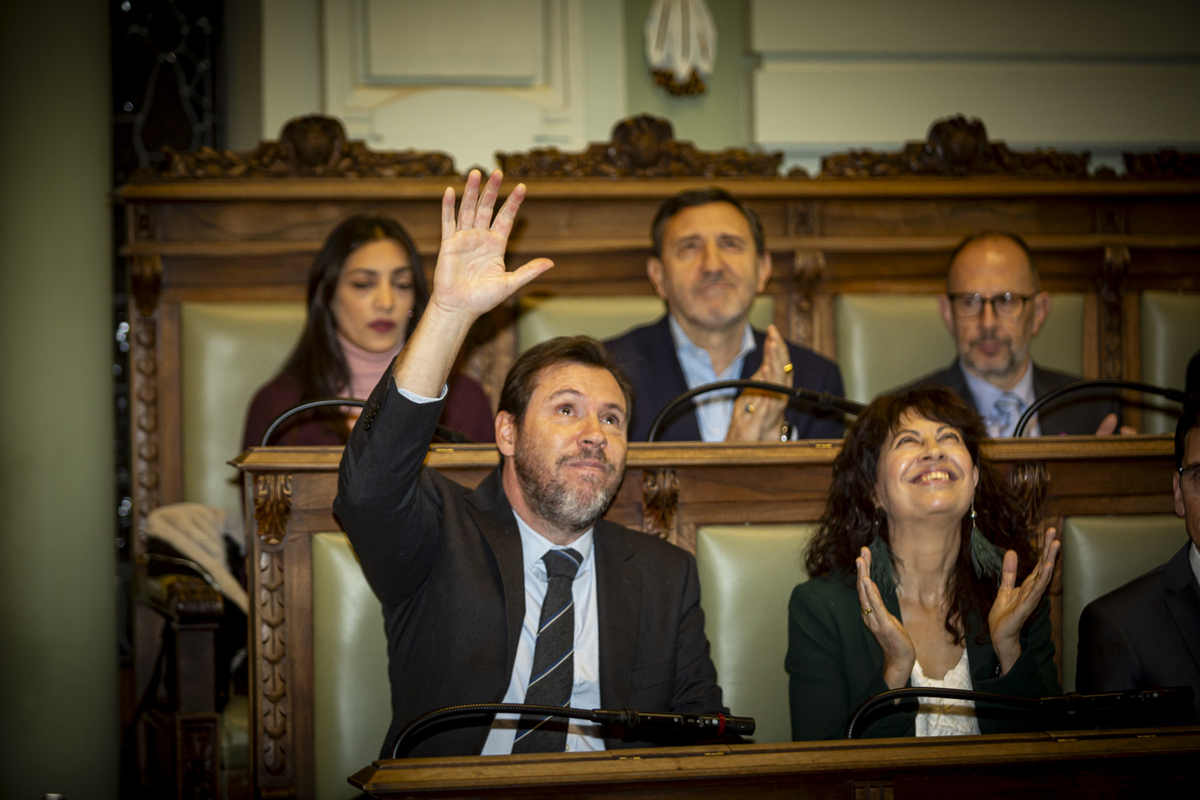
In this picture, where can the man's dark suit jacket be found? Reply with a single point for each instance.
(446, 563)
(1074, 415)
(648, 356)
(1144, 635)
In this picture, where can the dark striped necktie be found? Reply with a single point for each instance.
(553, 673)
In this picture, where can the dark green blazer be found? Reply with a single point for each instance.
(835, 663)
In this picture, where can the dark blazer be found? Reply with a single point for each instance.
(835, 664)
(1074, 415)
(648, 356)
(1144, 634)
(446, 563)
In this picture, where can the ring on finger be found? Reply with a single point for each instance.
(788, 367)
(749, 408)
(866, 611)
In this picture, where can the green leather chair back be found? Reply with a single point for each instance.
(227, 352)
(542, 318)
(747, 573)
(1170, 336)
(1101, 553)
(352, 705)
(885, 341)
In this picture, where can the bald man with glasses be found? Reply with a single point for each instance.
(994, 307)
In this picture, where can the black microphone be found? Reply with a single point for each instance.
(447, 434)
(1135, 708)
(690, 724)
(1170, 394)
(822, 402)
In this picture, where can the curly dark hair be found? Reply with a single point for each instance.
(318, 362)
(851, 517)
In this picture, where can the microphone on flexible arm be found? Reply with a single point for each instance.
(446, 434)
(822, 402)
(1070, 388)
(693, 725)
(1135, 708)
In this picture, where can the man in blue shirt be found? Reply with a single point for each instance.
(994, 307)
(709, 261)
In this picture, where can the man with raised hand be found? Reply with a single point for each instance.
(515, 591)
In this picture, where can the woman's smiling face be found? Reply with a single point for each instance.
(924, 469)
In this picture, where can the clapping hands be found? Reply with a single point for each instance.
(1014, 604)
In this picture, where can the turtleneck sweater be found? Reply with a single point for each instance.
(366, 368)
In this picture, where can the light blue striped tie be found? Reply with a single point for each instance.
(1005, 413)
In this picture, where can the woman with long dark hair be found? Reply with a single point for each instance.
(366, 291)
(913, 580)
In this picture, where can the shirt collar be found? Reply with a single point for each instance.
(685, 348)
(985, 393)
(534, 546)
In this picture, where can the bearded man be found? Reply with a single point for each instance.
(994, 307)
(515, 591)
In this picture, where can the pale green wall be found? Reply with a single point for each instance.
(720, 117)
(58, 640)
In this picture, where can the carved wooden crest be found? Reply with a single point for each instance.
(957, 147)
(641, 147)
(1162, 164)
(309, 147)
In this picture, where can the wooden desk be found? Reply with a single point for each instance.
(1112, 764)
(669, 490)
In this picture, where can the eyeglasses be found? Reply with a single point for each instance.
(1190, 477)
(1006, 306)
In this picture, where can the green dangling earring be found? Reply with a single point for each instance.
(883, 572)
(987, 559)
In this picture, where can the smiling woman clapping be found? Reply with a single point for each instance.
(914, 580)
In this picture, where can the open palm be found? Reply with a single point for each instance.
(470, 277)
(1014, 604)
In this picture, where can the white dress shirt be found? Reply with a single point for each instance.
(585, 692)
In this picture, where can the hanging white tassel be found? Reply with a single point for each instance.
(681, 44)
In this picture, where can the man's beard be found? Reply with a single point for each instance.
(1005, 369)
(570, 507)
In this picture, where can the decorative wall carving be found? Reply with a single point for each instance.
(274, 703)
(1112, 285)
(1162, 164)
(272, 505)
(957, 147)
(807, 268)
(312, 147)
(145, 282)
(1031, 480)
(660, 497)
(199, 755)
(641, 147)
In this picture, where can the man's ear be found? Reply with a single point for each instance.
(506, 434)
(1041, 310)
(654, 271)
(947, 313)
(764, 271)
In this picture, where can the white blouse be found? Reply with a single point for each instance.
(937, 716)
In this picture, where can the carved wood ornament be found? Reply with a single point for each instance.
(314, 147)
(1112, 284)
(145, 283)
(660, 497)
(641, 147)
(957, 147)
(272, 507)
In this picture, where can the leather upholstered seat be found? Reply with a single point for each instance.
(1103, 552)
(542, 318)
(227, 352)
(352, 699)
(747, 573)
(1170, 336)
(885, 341)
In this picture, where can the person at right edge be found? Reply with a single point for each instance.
(994, 307)
(914, 582)
(1146, 634)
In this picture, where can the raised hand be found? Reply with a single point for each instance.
(470, 278)
(899, 653)
(468, 281)
(1014, 603)
(758, 415)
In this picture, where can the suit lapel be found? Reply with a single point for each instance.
(1183, 600)
(618, 600)
(489, 507)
